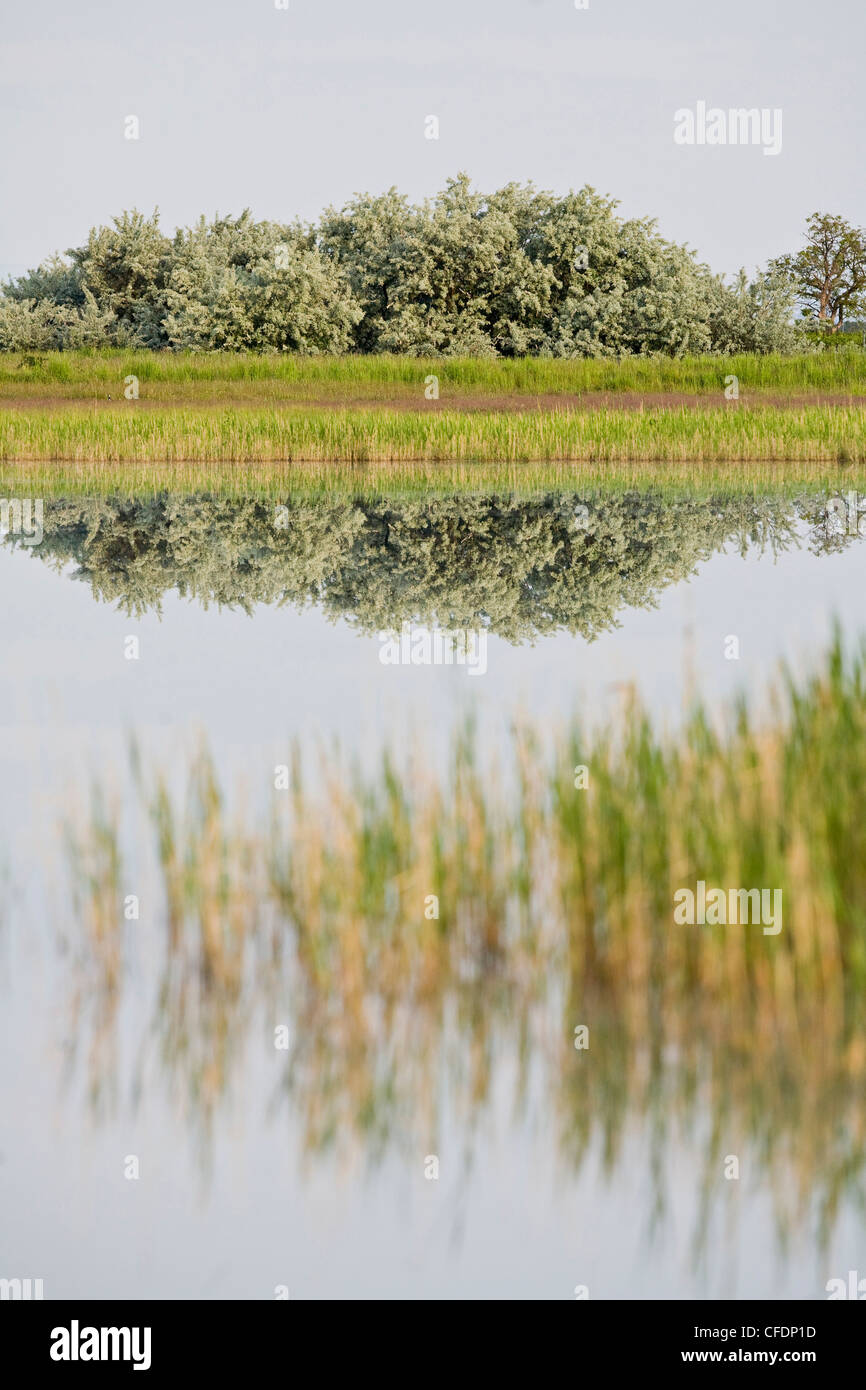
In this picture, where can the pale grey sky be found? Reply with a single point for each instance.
(241, 104)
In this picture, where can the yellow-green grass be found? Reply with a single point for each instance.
(189, 376)
(810, 435)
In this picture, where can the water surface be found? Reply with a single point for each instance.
(259, 631)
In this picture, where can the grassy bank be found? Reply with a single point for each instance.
(226, 409)
(814, 434)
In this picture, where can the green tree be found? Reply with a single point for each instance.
(125, 267)
(829, 273)
(757, 315)
(242, 285)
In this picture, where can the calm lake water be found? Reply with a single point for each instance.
(257, 628)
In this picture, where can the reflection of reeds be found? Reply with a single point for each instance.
(555, 908)
(210, 908)
(95, 859)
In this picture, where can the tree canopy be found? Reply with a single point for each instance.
(829, 272)
(510, 273)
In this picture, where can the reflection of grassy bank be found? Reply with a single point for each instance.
(555, 909)
(279, 482)
(809, 434)
(521, 566)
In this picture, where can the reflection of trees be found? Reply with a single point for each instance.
(555, 909)
(523, 565)
(834, 521)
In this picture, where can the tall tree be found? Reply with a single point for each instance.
(829, 273)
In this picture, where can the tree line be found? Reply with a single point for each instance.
(511, 273)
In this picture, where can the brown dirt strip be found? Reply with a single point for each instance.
(503, 404)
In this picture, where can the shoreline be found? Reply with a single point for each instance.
(274, 481)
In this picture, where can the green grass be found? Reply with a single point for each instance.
(827, 371)
(812, 434)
